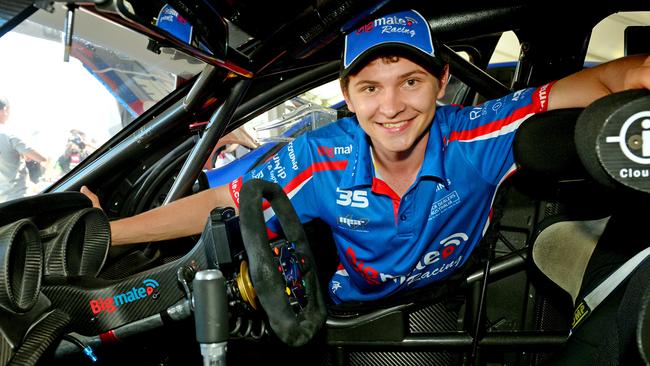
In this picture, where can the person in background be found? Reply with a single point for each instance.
(76, 150)
(14, 154)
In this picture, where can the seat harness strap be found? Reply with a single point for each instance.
(600, 293)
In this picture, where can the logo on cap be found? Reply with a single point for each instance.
(405, 29)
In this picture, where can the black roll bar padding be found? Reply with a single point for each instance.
(544, 145)
(293, 329)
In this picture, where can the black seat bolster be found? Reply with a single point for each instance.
(544, 145)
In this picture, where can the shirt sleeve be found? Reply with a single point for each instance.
(485, 133)
(19, 145)
(291, 168)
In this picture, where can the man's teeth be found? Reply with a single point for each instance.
(394, 125)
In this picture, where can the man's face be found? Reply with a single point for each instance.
(394, 102)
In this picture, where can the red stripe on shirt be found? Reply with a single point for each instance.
(539, 104)
(308, 173)
(235, 185)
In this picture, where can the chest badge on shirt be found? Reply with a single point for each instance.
(443, 204)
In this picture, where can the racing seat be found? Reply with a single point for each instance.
(545, 149)
(585, 254)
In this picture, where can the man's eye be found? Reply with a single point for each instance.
(370, 89)
(411, 82)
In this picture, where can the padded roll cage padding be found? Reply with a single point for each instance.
(293, 329)
(544, 145)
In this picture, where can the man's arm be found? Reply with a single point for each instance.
(184, 217)
(34, 155)
(584, 87)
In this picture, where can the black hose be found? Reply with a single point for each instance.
(86, 350)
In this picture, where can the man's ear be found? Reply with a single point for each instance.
(348, 102)
(444, 80)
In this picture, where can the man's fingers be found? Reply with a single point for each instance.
(93, 197)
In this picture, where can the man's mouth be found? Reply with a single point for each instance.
(397, 125)
(394, 124)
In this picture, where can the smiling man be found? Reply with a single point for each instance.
(406, 188)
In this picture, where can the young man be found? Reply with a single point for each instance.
(13, 152)
(407, 189)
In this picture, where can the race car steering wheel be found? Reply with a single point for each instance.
(293, 328)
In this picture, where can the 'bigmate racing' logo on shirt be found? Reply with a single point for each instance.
(110, 304)
(431, 264)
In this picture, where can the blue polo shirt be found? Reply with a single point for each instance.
(388, 244)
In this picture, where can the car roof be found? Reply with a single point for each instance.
(252, 37)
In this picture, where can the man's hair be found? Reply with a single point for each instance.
(4, 102)
(389, 58)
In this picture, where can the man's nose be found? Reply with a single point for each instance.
(391, 104)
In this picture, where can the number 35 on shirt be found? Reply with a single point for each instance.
(352, 198)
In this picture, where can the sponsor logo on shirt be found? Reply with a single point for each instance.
(258, 175)
(331, 152)
(335, 286)
(443, 204)
(292, 156)
(235, 186)
(353, 223)
(477, 112)
(542, 94)
(441, 186)
(516, 95)
(432, 263)
(276, 169)
(366, 271)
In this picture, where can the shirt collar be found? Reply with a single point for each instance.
(434, 155)
(360, 171)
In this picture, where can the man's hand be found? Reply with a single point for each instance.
(93, 197)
